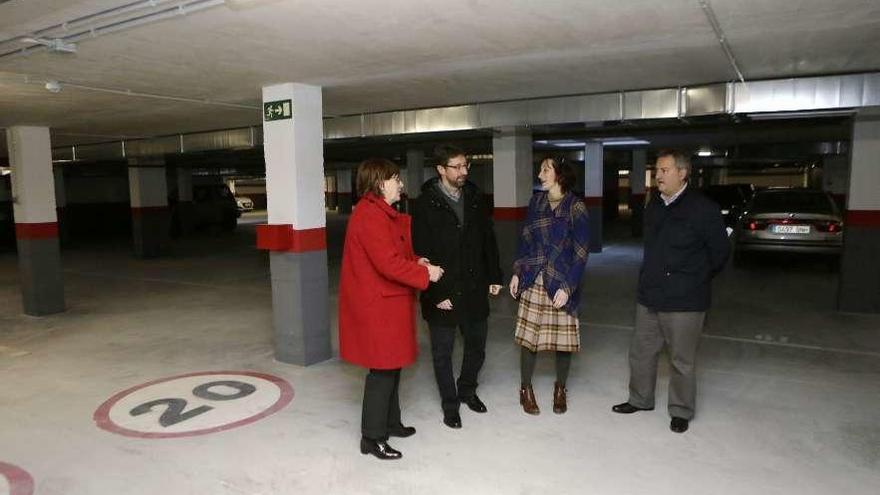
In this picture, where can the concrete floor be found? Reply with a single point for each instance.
(789, 390)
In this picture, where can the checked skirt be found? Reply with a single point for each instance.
(540, 326)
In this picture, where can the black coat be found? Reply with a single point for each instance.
(468, 254)
(685, 246)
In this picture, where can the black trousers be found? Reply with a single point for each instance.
(381, 408)
(442, 343)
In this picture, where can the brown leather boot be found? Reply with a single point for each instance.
(527, 400)
(560, 403)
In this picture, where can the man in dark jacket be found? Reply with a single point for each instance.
(452, 227)
(685, 247)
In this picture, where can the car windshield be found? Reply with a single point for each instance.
(791, 201)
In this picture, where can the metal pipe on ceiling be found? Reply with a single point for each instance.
(722, 39)
(138, 94)
(66, 25)
(93, 31)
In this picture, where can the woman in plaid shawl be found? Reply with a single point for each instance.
(550, 260)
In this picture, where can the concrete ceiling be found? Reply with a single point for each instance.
(397, 54)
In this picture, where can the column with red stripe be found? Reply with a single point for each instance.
(594, 175)
(343, 188)
(295, 235)
(36, 221)
(637, 192)
(513, 174)
(860, 266)
(150, 216)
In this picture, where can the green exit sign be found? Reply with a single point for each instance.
(277, 110)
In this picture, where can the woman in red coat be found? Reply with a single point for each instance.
(377, 318)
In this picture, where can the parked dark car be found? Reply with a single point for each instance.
(213, 207)
(790, 220)
(732, 198)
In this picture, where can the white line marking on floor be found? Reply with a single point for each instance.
(12, 352)
(755, 341)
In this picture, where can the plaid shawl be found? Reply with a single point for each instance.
(555, 242)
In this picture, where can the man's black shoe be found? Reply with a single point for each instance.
(452, 420)
(627, 408)
(474, 403)
(679, 425)
(401, 431)
(380, 449)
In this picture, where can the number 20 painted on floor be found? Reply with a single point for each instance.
(174, 410)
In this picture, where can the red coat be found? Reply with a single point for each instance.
(378, 281)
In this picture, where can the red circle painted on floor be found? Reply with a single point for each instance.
(104, 421)
(20, 482)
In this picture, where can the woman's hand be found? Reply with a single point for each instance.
(514, 285)
(560, 298)
(434, 272)
(424, 261)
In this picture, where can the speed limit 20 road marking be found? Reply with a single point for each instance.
(193, 404)
(16, 479)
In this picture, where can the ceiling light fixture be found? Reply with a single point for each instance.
(806, 114)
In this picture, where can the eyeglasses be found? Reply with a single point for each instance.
(459, 168)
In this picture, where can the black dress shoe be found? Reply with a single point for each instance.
(452, 420)
(679, 425)
(380, 449)
(627, 408)
(401, 431)
(474, 403)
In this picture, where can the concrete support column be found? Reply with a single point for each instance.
(835, 177)
(150, 218)
(480, 176)
(36, 221)
(343, 189)
(512, 176)
(637, 191)
(860, 266)
(296, 234)
(330, 191)
(415, 176)
(594, 167)
(184, 210)
(60, 205)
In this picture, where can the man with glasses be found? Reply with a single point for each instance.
(452, 227)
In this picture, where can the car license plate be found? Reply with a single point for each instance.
(791, 229)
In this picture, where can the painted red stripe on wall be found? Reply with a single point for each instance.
(863, 218)
(510, 213)
(46, 230)
(283, 237)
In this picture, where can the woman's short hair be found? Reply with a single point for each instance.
(372, 172)
(565, 174)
